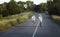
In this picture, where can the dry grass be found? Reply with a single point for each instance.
(56, 19)
(10, 21)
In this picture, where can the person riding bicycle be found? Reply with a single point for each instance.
(40, 19)
(33, 19)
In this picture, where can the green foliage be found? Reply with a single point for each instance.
(21, 6)
(1, 27)
(56, 19)
(13, 7)
(1, 16)
(30, 5)
(13, 20)
(44, 6)
(4, 26)
(18, 20)
(54, 7)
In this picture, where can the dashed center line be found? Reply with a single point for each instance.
(35, 30)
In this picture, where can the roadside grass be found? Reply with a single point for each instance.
(13, 20)
(56, 19)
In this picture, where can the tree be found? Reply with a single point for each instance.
(12, 7)
(3, 10)
(21, 5)
(49, 5)
(44, 6)
(30, 5)
(54, 7)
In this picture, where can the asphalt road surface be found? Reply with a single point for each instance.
(27, 29)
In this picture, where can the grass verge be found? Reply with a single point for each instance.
(56, 19)
(13, 20)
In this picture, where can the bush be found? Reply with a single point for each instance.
(13, 22)
(1, 16)
(23, 19)
(4, 26)
(18, 20)
(7, 26)
(56, 19)
(1, 27)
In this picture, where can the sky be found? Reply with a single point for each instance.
(35, 1)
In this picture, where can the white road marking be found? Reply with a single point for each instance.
(35, 30)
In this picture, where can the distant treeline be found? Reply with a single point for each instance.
(54, 7)
(14, 7)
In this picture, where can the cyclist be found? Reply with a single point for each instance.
(40, 19)
(33, 19)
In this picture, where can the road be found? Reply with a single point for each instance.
(27, 29)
